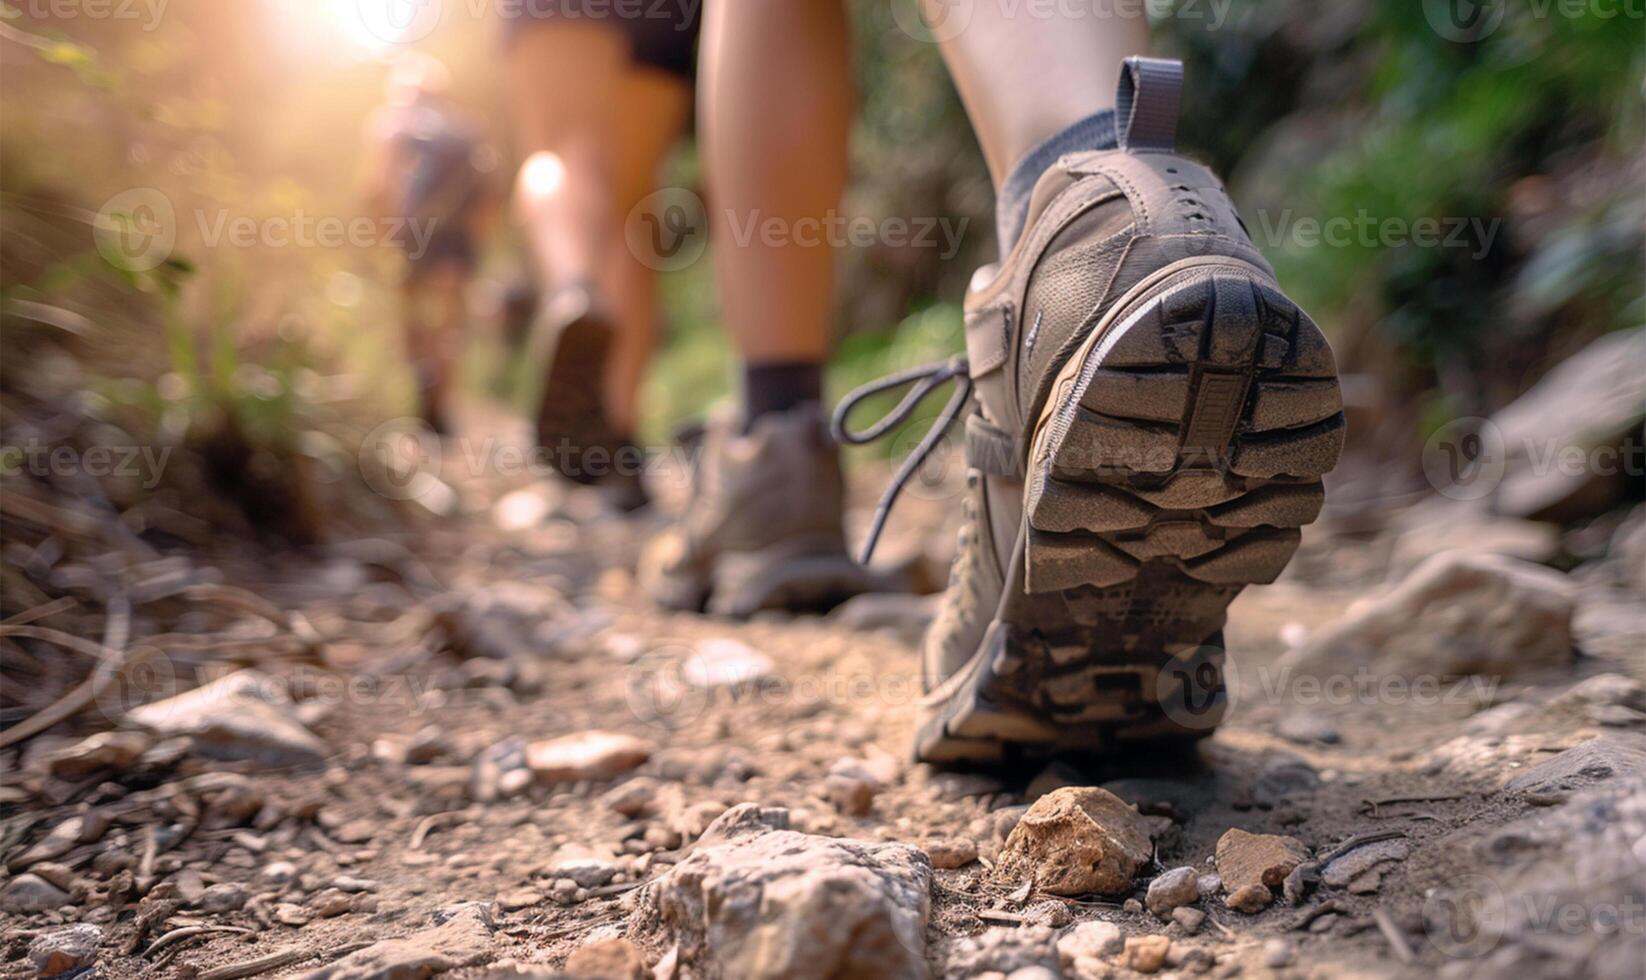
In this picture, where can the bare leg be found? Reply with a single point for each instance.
(776, 107)
(563, 80)
(1024, 77)
(655, 104)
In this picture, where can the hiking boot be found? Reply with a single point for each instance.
(431, 399)
(572, 338)
(762, 524)
(1151, 421)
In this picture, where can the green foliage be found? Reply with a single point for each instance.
(1531, 134)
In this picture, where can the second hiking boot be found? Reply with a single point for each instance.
(569, 345)
(762, 524)
(1151, 422)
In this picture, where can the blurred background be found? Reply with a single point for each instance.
(1487, 182)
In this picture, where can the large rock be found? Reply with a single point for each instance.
(1555, 894)
(31, 893)
(462, 936)
(246, 715)
(1078, 840)
(1583, 765)
(1456, 614)
(1443, 525)
(756, 901)
(1570, 442)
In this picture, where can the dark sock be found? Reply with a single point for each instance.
(1011, 209)
(771, 388)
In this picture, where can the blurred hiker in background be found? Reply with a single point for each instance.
(600, 94)
(423, 178)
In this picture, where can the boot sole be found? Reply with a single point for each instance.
(1178, 453)
(571, 418)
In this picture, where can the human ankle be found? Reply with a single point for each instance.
(779, 387)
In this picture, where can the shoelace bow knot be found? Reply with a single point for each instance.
(926, 379)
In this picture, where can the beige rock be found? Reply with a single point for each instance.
(1146, 954)
(295, 916)
(59, 951)
(57, 842)
(1250, 899)
(462, 936)
(331, 902)
(634, 798)
(31, 893)
(246, 715)
(723, 662)
(608, 959)
(1457, 613)
(1077, 840)
(756, 902)
(1173, 889)
(850, 795)
(1188, 919)
(105, 750)
(593, 755)
(951, 852)
(518, 898)
(1257, 859)
(1083, 950)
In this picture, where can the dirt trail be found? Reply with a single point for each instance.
(447, 658)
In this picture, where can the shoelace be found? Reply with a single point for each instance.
(926, 379)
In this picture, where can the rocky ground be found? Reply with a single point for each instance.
(476, 751)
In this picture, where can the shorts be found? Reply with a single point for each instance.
(661, 33)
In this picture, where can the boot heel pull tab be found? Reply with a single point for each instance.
(1146, 104)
